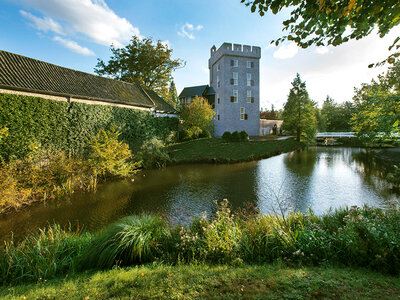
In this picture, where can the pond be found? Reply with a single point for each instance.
(322, 178)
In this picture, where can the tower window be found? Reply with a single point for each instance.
(249, 81)
(234, 63)
(234, 97)
(218, 82)
(250, 64)
(218, 67)
(235, 78)
(242, 113)
(249, 98)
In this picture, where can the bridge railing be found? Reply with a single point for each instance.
(335, 134)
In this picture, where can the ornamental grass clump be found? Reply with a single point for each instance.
(133, 240)
(42, 255)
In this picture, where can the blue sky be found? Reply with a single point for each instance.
(74, 33)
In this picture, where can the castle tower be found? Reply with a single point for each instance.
(235, 77)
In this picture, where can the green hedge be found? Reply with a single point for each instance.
(69, 126)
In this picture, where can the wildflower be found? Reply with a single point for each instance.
(142, 274)
(297, 252)
(373, 229)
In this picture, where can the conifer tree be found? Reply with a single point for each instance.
(299, 113)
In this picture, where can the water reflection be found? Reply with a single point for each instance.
(318, 177)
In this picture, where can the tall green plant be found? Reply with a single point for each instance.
(111, 157)
(42, 255)
(298, 113)
(132, 240)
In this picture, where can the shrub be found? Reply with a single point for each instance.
(197, 118)
(153, 154)
(227, 136)
(111, 157)
(244, 136)
(235, 136)
(42, 255)
(222, 235)
(134, 239)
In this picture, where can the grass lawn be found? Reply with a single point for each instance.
(217, 282)
(217, 150)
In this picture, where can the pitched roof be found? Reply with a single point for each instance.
(193, 91)
(210, 91)
(160, 104)
(28, 74)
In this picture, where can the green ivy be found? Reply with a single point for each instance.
(70, 126)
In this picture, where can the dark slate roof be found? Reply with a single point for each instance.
(210, 91)
(160, 104)
(193, 91)
(23, 73)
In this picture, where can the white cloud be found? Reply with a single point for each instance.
(321, 50)
(43, 24)
(188, 29)
(286, 51)
(74, 46)
(336, 74)
(92, 18)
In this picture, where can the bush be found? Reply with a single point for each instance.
(134, 239)
(244, 136)
(227, 136)
(109, 156)
(153, 154)
(235, 136)
(42, 255)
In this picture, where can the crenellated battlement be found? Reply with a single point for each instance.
(233, 50)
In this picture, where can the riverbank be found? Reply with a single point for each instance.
(355, 237)
(217, 150)
(218, 282)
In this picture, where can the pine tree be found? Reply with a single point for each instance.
(173, 95)
(299, 113)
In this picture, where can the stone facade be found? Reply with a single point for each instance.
(235, 77)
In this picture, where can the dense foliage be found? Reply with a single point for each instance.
(142, 61)
(378, 106)
(235, 136)
(299, 113)
(70, 126)
(172, 98)
(335, 117)
(197, 118)
(361, 237)
(331, 22)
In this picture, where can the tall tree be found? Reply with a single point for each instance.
(333, 22)
(299, 113)
(197, 118)
(173, 95)
(141, 61)
(378, 105)
(337, 117)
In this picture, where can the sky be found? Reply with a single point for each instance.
(75, 33)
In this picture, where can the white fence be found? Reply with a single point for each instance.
(335, 135)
